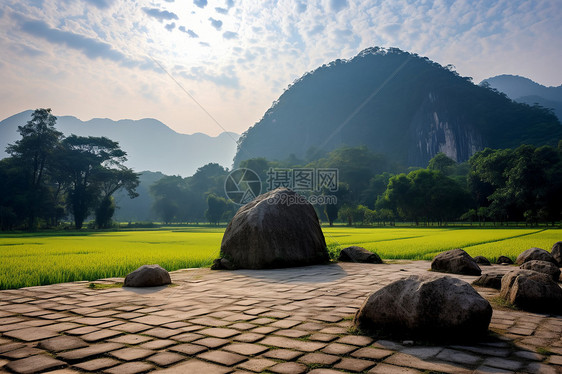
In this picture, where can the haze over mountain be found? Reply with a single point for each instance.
(398, 104)
(150, 145)
(524, 90)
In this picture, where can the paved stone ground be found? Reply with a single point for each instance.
(277, 321)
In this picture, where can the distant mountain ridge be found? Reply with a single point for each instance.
(150, 144)
(396, 103)
(525, 90)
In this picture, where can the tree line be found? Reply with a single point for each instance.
(500, 186)
(48, 177)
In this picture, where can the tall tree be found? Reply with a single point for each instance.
(33, 152)
(87, 160)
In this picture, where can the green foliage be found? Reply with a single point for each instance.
(217, 207)
(47, 173)
(518, 184)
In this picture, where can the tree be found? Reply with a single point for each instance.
(111, 181)
(88, 163)
(217, 206)
(33, 153)
(442, 163)
(168, 194)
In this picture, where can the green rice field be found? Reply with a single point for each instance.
(38, 259)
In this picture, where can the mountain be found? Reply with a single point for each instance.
(395, 103)
(150, 145)
(524, 90)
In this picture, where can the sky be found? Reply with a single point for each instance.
(212, 66)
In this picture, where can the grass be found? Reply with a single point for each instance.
(30, 259)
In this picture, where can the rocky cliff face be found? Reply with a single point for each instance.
(435, 129)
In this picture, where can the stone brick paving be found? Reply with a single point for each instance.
(295, 320)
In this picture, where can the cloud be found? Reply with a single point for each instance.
(160, 15)
(171, 26)
(204, 44)
(227, 79)
(90, 47)
(230, 35)
(25, 50)
(200, 3)
(337, 5)
(217, 24)
(189, 32)
(101, 4)
(221, 10)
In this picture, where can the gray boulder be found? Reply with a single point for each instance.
(429, 306)
(504, 260)
(148, 276)
(492, 279)
(482, 261)
(359, 254)
(277, 229)
(543, 267)
(556, 253)
(535, 254)
(455, 261)
(532, 291)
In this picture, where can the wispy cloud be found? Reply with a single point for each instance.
(161, 15)
(200, 3)
(216, 23)
(189, 32)
(230, 35)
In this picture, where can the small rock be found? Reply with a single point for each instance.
(359, 254)
(455, 261)
(148, 276)
(504, 260)
(543, 267)
(535, 254)
(430, 306)
(490, 280)
(556, 253)
(532, 291)
(483, 261)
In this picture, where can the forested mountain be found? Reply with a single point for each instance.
(396, 103)
(524, 90)
(150, 145)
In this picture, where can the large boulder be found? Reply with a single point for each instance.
(504, 260)
(426, 306)
(277, 229)
(533, 291)
(148, 276)
(535, 254)
(359, 254)
(545, 267)
(455, 261)
(492, 279)
(556, 253)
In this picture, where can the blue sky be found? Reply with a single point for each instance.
(102, 58)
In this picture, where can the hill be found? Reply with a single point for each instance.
(150, 145)
(395, 103)
(524, 90)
